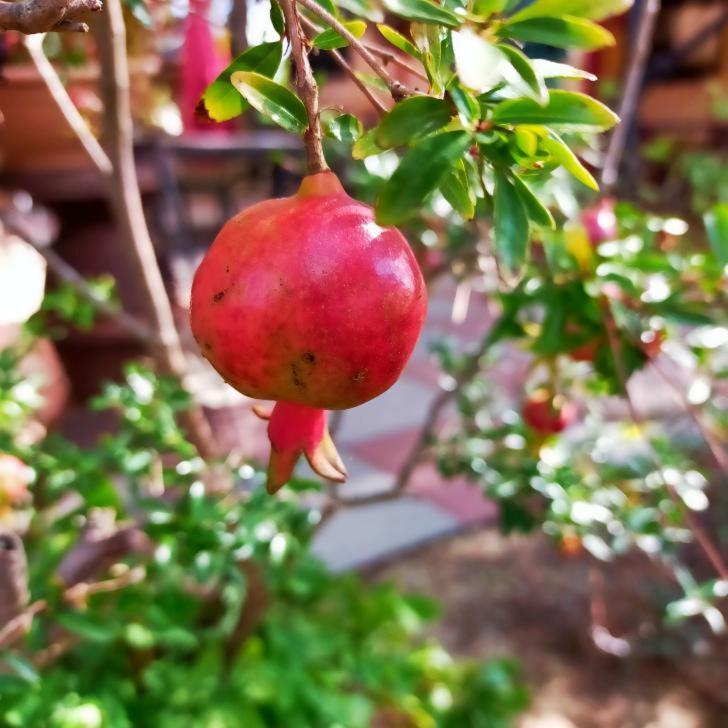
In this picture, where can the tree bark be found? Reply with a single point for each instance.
(129, 213)
(238, 26)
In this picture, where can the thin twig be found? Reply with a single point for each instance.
(396, 89)
(58, 93)
(701, 537)
(716, 449)
(344, 65)
(306, 86)
(389, 57)
(631, 93)
(41, 16)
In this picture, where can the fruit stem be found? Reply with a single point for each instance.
(306, 86)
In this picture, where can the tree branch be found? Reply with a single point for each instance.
(631, 93)
(396, 89)
(306, 86)
(41, 16)
(129, 211)
(13, 578)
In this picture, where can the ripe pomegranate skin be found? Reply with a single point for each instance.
(548, 415)
(307, 301)
(600, 221)
(15, 476)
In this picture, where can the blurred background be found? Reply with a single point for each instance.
(576, 549)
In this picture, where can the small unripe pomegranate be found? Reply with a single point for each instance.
(548, 414)
(600, 221)
(307, 301)
(15, 476)
(651, 342)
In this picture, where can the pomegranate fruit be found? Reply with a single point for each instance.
(600, 221)
(548, 414)
(307, 301)
(15, 476)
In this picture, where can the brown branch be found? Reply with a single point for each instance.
(703, 540)
(13, 578)
(41, 16)
(396, 89)
(58, 93)
(129, 211)
(306, 86)
(237, 24)
(348, 70)
(631, 93)
(389, 57)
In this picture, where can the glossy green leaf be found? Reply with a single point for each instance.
(565, 110)
(329, 39)
(272, 100)
(716, 225)
(591, 9)
(563, 32)
(419, 173)
(345, 127)
(534, 83)
(329, 5)
(455, 189)
(398, 40)
(221, 101)
(535, 209)
(479, 64)
(484, 8)
(552, 69)
(510, 225)
(276, 18)
(466, 104)
(366, 146)
(423, 11)
(411, 119)
(561, 152)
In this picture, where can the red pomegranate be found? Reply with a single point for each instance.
(548, 414)
(306, 300)
(15, 476)
(600, 221)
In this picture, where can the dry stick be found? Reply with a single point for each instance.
(344, 65)
(306, 86)
(709, 549)
(396, 89)
(630, 95)
(716, 449)
(63, 101)
(129, 211)
(41, 16)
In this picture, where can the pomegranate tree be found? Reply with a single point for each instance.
(309, 302)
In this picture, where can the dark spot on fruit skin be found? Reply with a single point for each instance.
(296, 376)
(360, 376)
(208, 346)
(309, 357)
(227, 268)
(219, 296)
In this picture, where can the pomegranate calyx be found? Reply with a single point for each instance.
(295, 430)
(320, 184)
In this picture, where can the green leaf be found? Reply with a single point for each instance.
(345, 127)
(411, 119)
(535, 85)
(140, 11)
(272, 100)
(22, 667)
(329, 39)
(456, 190)
(510, 225)
(467, 105)
(419, 173)
(221, 101)
(535, 209)
(276, 18)
(91, 628)
(565, 110)
(591, 9)
(563, 32)
(423, 11)
(479, 64)
(484, 8)
(552, 69)
(561, 152)
(329, 5)
(398, 40)
(716, 225)
(366, 146)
